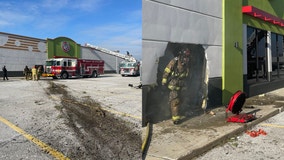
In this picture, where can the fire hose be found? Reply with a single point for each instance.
(146, 140)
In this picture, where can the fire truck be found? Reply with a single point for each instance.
(69, 67)
(129, 68)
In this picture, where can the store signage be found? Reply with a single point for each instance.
(65, 46)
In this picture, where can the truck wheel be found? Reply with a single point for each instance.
(64, 75)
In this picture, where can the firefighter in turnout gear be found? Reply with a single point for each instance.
(174, 77)
(27, 72)
(34, 73)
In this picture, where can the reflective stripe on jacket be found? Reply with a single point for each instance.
(171, 87)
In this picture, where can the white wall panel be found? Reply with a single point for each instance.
(152, 51)
(168, 23)
(214, 60)
(202, 6)
(16, 60)
(111, 62)
(181, 21)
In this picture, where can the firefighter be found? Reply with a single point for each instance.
(174, 77)
(39, 72)
(34, 73)
(5, 73)
(26, 72)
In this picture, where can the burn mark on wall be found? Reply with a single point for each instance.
(193, 95)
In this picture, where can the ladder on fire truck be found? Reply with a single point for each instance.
(117, 54)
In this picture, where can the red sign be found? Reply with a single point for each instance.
(65, 46)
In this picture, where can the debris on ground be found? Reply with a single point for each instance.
(137, 87)
(211, 113)
(102, 134)
(255, 133)
(242, 118)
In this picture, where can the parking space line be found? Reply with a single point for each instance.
(41, 144)
(272, 125)
(122, 113)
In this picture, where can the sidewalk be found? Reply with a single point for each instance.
(197, 135)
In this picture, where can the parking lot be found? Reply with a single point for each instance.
(88, 118)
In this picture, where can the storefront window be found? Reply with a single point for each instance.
(277, 56)
(256, 55)
(257, 70)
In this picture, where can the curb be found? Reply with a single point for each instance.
(222, 139)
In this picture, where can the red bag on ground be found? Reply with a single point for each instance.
(241, 118)
(235, 106)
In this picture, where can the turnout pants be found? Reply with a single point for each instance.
(174, 101)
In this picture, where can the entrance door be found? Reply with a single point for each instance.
(277, 42)
(256, 55)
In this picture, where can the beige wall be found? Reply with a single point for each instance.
(18, 51)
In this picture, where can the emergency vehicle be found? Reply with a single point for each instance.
(129, 68)
(69, 67)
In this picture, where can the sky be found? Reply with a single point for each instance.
(111, 24)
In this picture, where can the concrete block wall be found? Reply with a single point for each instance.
(18, 51)
(16, 60)
(111, 62)
(182, 21)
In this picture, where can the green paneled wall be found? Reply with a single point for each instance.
(54, 48)
(232, 58)
(233, 19)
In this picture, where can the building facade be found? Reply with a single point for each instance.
(242, 45)
(18, 51)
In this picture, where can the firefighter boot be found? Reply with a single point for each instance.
(176, 119)
(174, 108)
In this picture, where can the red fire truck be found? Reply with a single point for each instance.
(129, 68)
(67, 67)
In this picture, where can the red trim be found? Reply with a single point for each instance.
(236, 102)
(233, 100)
(64, 57)
(258, 13)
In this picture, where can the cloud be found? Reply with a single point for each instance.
(8, 18)
(77, 5)
(123, 35)
(110, 39)
(107, 23)
(53, 5)
(88, 5)
(114, 31)
(4, 23)
(134, 15)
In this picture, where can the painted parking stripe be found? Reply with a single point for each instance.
(41, 144)
(272, 125)
(122, 113)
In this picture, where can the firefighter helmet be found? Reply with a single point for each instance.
(184, 52)
(184, 55)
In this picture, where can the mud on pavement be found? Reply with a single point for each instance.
(102, 135)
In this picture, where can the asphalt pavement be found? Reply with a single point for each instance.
(197, 135)
(35, 125)
(268, 144)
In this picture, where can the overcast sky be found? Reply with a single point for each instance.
(112, 24)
